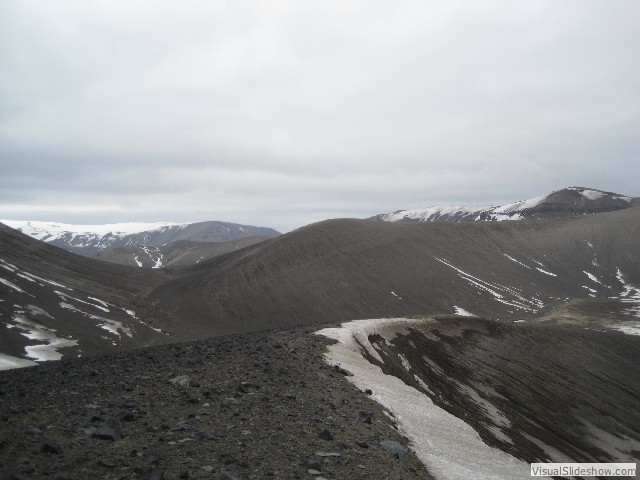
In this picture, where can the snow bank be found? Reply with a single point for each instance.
(450, 448)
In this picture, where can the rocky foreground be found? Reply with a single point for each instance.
(257, 406)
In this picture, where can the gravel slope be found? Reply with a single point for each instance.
(256, 406)
(341, 270)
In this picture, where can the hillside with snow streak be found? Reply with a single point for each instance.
(55, 304)
(337, 270)
(340, 270)
(482, 399)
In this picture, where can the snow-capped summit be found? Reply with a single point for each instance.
(51, 231)
(560, 203)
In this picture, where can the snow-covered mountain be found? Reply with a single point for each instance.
(89, 240)
(560, 203)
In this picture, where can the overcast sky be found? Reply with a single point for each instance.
(285, 113)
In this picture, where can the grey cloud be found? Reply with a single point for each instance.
(287, 111)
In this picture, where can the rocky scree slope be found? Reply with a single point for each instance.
(256, 406)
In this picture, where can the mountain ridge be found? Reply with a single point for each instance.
(347, 269)
(89, 240)
(335, 270)
(570, 201)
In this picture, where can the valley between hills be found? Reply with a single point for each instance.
(527, 332)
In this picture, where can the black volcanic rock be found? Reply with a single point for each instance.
(255, 435)
(107, 430)
(51, 448)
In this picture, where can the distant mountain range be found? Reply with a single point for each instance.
(561, 203)
(336, 270)
(155, 245)
(89, 240)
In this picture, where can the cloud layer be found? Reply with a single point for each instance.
(284, 113)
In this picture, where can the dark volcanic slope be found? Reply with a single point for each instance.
(178, 254)
(259, 406)
(53, 298)
(348, 269)
(551, 391)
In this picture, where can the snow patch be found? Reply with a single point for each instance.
(592, 277)
(11, 285)
(546, 273)
(45, 280)
(112, 326)
(27, 278)
(518, 301)
(9, 266)
(37, 311)
(66, 297)
(405, 363)
(462, 312)
(105, 304)
(151, 252)
(35, 331)
(521, 205)
(516, 261)
(592, 194)
(8, 362)
(630, 293)
(630, 328)
(450, 448)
